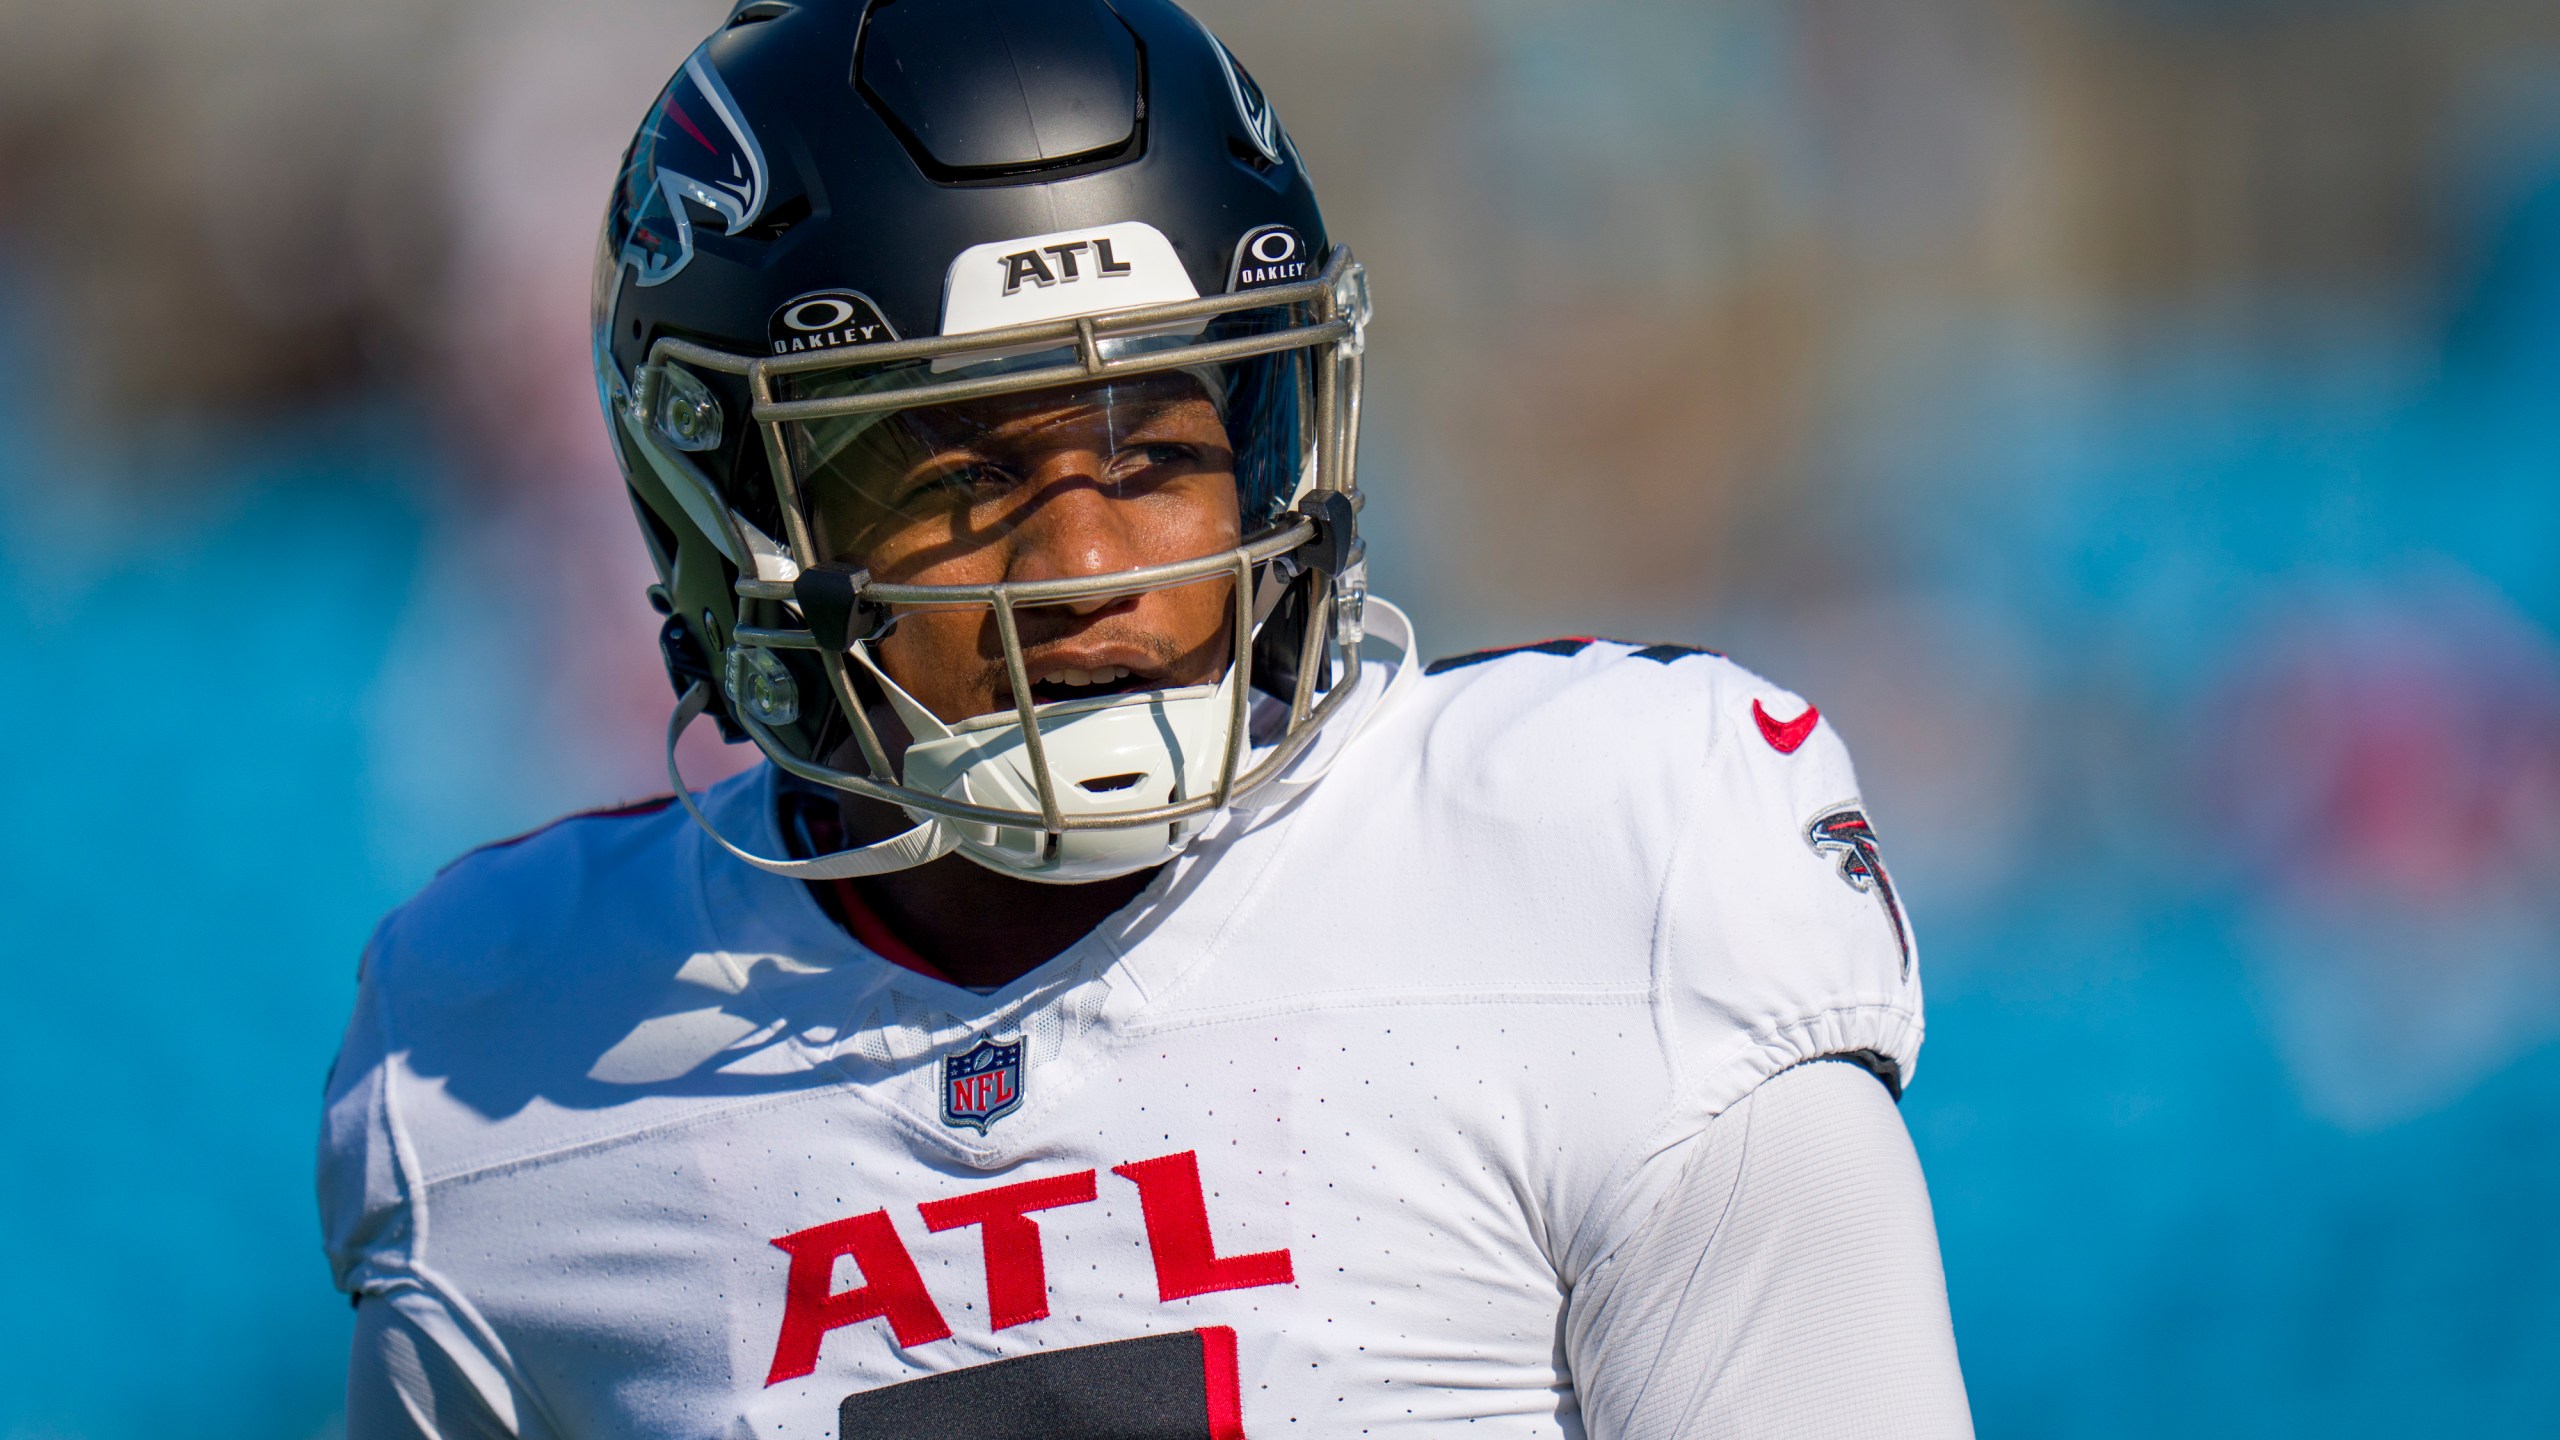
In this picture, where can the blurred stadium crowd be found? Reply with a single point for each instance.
(2135, 422)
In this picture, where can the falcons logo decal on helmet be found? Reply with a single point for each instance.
(1843, 830)
(1252, 106)
(694, 146)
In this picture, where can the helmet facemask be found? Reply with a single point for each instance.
(872, 453)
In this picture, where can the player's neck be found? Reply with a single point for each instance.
(978, 928)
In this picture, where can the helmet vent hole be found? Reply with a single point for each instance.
(758, 13)
(1104, 784)
(1250, 158)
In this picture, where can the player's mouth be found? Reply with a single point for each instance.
(1055, 684)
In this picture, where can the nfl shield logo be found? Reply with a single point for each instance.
(982, 1084)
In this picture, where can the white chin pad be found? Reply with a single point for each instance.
(1107, 756)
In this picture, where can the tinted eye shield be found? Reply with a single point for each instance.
(786, 579)
(888, 491)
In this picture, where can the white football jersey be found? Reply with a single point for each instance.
(1315, 1137)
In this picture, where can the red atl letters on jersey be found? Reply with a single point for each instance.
(1017, 1279)
(1178, 1233)
(1176, 1213)
(891, 1288)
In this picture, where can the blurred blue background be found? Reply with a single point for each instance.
(2136, 425)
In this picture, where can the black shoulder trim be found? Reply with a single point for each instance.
(1665, 654)
(1566, 645)
(1885, 1068)
(637, 808)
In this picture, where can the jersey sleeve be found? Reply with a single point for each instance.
(1787, 1285)
(1696, 836)
(1777, 936)
(1781, 936)
(421, 1364)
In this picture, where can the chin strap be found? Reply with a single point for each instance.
(927, 842)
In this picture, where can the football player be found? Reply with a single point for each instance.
(1133, 998)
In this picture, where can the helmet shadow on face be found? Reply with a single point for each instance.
(1064, 513)
(916, 495)
(953, 662)
(1060, 485)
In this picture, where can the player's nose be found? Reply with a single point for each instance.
(1075, 527)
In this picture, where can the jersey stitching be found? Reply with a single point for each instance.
(1766, 1047)
(1248, 890)
(1630, 1159)
(1774, 1039)
(590, 1144)
(492, 1349)
(829, 1075)
(820, 1068)
(1741, 1168)
(1379, 998)
(1101, 953)
(1706, 1249)
(404, 1158)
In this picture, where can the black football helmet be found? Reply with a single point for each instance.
(842, 215)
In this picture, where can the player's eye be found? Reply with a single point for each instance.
(954, 481)
(1143, 461)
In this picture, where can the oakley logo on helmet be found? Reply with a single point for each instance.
(1268, 255)
(695, 146)
(826, 319)
(1050, 277)
(1843, 831)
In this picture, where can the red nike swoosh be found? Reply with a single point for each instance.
(1784, 736)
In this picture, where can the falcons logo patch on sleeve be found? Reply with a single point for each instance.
(1844, 832)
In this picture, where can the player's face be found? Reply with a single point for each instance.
(1043, 486)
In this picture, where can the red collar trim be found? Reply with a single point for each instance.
(875, 934)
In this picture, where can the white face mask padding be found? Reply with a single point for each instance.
(1113, 754)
